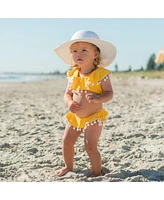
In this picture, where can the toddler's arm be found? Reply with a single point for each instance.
(106, 96)
(68, 100)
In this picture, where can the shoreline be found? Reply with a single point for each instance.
(21, 78)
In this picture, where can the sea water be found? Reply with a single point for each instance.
(17, 77)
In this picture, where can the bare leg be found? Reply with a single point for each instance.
(69, 138)
(91, 138)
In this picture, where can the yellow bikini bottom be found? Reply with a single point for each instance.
(82, 123)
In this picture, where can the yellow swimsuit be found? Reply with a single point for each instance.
(82, 84)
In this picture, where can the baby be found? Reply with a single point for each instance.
(89, 86)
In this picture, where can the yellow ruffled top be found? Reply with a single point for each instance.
(91, 82)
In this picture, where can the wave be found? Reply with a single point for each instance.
(16, 77)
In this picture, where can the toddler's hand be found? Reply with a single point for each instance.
(73, 106)
(93, 97)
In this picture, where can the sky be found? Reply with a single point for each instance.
(27, 42)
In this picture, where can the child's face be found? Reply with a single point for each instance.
(84, 53)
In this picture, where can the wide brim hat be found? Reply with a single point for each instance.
(107, 49)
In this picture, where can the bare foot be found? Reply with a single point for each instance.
(62, 171)
(92, 173)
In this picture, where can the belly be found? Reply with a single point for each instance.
(86, 107)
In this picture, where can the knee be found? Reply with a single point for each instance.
(91, 149)
(67, 143)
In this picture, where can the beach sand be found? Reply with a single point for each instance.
(131, 143)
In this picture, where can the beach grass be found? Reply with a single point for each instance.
(155, 74)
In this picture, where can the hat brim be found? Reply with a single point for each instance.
(107, 51)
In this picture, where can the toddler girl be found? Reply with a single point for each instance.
(89, 86)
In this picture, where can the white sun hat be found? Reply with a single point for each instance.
(107, 49)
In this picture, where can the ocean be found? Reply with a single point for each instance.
(18, 77)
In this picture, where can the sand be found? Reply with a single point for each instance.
(31, 129)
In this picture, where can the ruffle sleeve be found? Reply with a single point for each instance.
(91, 82)
(72, 73)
